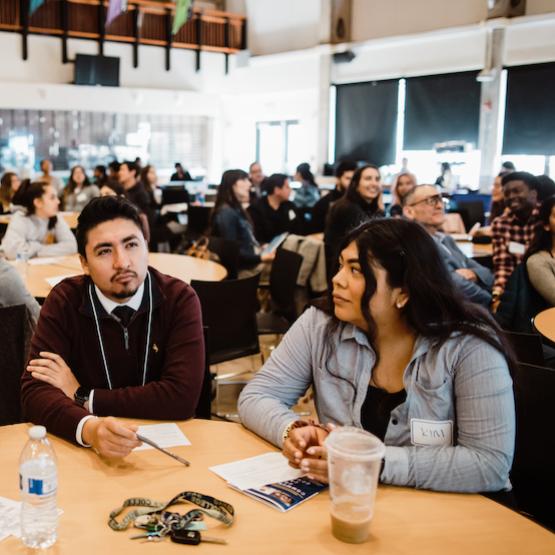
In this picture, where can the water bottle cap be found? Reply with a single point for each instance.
(37, 432)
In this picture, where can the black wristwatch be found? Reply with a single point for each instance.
(82, 395)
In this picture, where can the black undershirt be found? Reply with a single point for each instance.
(377, 407)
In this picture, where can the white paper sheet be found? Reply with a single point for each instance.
(54, 280)
(10, 511)
(39, 261)
(257, 471)
(165, 435)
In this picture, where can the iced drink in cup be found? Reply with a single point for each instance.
(354, 462)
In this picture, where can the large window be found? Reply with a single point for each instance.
(281, 146)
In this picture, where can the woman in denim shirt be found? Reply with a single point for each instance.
(405, 357)
(231, 221)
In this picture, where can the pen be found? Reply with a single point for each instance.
(156, 446)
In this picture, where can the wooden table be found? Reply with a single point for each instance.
(475, 250)
(180, 266)
(544, 323)
(69, 217)
(405, 521)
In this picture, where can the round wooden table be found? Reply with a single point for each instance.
(180, 266)
(544, 322)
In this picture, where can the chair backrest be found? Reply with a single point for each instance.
(13, 322)
(472, 211)
(198, 220)
(204, 405)
(283, 282)
(528, 347)
(532, 473)
(228, 252)
(229, 311)
(174, 194)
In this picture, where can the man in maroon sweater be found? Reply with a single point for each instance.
(122, 340)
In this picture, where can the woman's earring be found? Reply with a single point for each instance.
(399, 305)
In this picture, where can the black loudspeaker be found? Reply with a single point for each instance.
(96, 70)
(343, 57)
(506, 8)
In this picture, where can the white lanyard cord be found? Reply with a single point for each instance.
(99, 335)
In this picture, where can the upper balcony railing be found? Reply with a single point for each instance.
(146, 22)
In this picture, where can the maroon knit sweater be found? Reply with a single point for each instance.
(175, 367)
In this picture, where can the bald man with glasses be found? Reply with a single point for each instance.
(425, 206)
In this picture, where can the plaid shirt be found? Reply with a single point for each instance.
(508, 228)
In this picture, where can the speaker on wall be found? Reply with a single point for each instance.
(506, 8)
(96, 70)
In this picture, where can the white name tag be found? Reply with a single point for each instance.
(431, 432)
(292, 215)
(516, 248)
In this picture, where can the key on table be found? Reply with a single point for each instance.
(192, 537)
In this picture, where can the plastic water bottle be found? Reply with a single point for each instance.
(22, 263)
(38, 484)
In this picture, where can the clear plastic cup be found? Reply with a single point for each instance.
(354, 463)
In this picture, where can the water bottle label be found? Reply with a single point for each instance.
(38, 486)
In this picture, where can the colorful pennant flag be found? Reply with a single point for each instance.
(115, 8)
(34, 5)
(182, 14)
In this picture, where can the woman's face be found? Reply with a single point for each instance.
(46, 206)
(497, 189)
(151, 176)
(369, 186)
(348, 288)
(241, 189)
(78, 175)
(15, 183)
(405, 185)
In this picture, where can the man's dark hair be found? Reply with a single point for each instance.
(546, 187)
(275, 180)
(104, 209)
(131, 166)
(509, 166)
(114, 166)
(345, 166)
(530, 180)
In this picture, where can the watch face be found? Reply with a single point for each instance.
(82, 395)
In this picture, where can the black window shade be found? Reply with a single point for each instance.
(366, 121)
(530, 110)
(441, 108)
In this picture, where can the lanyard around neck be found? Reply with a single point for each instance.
(99, 334)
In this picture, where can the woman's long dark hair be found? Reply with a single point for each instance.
(543, 238)
(226, 196)
(352, 194)
(6, 191)
(31, 190)
(306, 175)
(435, 309)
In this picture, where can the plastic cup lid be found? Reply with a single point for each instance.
(37, 432)
(353, 443)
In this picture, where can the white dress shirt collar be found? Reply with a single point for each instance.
(134, 302)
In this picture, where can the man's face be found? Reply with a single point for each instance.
(284, 193)
(125, 175)
(426, 207)
(256, 175)
(46, 166)
(519, 198)
(344, 181)
(116, 258)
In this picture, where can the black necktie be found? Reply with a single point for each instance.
(123, 314)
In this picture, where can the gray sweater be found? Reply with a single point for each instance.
(76, 201)
(541, 272)
(13, 292)
(454, 432)
(28, 233)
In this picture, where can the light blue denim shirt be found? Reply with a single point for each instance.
(454, 432)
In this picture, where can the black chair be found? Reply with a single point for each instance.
(532, 473)
(228, 252)
(528, 347)
(229, 311)
(204, 404)
(174, 194)
(283, 283)
(471, 211)
(198, 220)
(15, 330)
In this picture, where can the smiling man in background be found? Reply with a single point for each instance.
(122, 340)
(513, 231)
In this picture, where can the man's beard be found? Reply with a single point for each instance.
(125, 294)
